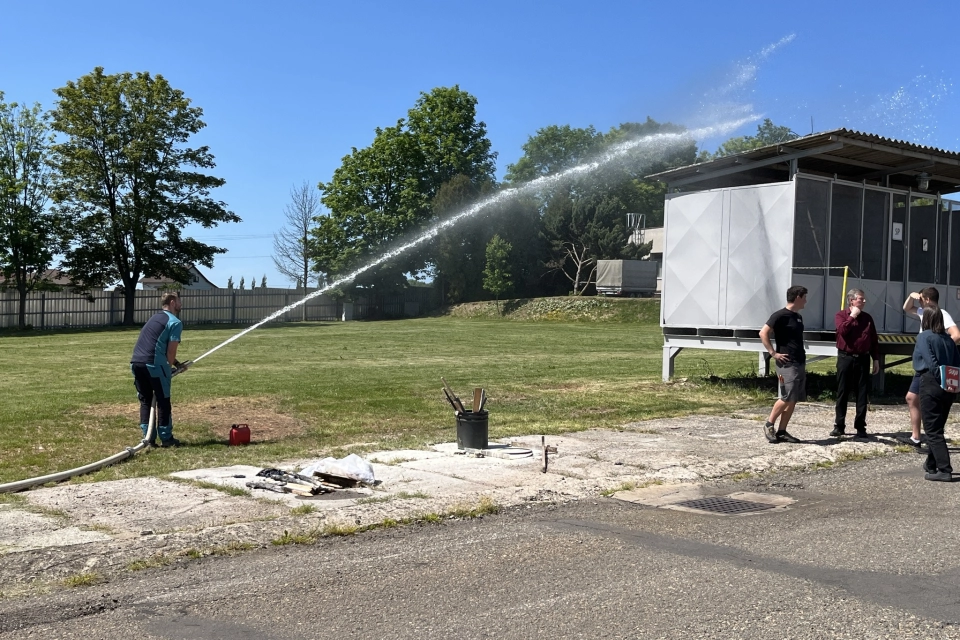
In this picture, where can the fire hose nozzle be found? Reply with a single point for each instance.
(181, 367)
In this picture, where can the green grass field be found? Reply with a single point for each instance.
(67, 398)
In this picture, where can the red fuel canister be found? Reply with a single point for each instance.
(239, 434)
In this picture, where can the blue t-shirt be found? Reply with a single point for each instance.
(156, 335)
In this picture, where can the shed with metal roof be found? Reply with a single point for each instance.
(739, 230)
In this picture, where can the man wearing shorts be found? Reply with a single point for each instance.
(913, 306)
(786, 325)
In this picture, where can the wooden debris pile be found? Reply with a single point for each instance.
(280, 481)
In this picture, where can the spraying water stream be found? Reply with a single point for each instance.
(651, 144)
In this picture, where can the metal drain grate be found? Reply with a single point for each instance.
(724, 505)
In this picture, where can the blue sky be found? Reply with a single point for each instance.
(287, 88)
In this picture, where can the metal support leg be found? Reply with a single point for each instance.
(669, 353)
(878, 379)
(763, 365)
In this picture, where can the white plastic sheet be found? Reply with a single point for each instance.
(353, 466)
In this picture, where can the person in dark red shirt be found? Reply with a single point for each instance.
(857, 346)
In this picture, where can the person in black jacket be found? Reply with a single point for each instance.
(935, 349)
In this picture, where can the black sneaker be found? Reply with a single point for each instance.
(768, 431)
(909, 441)
(783, 436)
(862, 433)
(939, 476)
(837, 432)
(928, 469)
(172, 442)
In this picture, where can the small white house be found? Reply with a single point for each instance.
(197, 281)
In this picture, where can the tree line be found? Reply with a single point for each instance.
(438, 160)
(101, 187)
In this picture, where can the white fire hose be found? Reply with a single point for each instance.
(20, 485)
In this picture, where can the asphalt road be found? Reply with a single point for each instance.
(869, 550)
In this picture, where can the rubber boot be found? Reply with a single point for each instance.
(144, 428)
(166, 437)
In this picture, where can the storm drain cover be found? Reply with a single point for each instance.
(724, 505)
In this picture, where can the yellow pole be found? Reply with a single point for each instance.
(843, 294)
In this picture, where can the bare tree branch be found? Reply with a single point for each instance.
(575, 258)
(291, 249)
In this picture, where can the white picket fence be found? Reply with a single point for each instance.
(55, 310)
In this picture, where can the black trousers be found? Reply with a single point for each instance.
(853, 374)
(935, 406)
(149, 387)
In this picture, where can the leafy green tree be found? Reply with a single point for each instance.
(584, 219)
(496, 274)
(382, 194)
(230, 282)
(253, 282)
(458, 251)
(767, 134)
(241, 283)
(130, 183)
(263, 282)
(554, 149)
(30, 233)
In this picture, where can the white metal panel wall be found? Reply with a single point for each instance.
(758, 262)
(691, 259)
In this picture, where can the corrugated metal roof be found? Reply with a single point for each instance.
(848, 154)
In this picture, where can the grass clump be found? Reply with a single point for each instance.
(223, 488)
(486, 506)
(344, 529)
(630, 486)
(297, 537)
(303, 510)
(232, 548)
(154, 561)
(85, 579)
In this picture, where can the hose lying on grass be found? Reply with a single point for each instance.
(20, 485)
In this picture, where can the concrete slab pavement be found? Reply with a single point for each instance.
(170, 515)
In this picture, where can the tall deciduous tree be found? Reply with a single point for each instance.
(382, 193)
(291, 245)
(31, 234)
(130, 182)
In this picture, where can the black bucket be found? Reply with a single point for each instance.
(472, 430)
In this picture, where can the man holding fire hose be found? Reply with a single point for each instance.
(152, 364)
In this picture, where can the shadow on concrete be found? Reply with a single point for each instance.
(821, 387)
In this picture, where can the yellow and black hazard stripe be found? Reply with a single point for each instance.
(891, 338)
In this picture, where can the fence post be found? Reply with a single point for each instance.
(233, 307)
(43, 307)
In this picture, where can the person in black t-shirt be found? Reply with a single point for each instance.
(786, 325)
